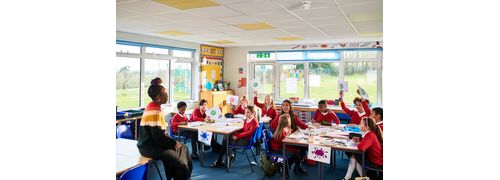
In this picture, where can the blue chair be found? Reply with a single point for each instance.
(136, 173)
(124, 131)
(266, 137)
(173, 135)
(255, 137)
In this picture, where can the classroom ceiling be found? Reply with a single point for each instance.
(230, 23)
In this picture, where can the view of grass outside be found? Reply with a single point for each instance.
(323, 80)
(182, 81)
(363, 74)
(127, 82)
(154, 68)
(292, 71)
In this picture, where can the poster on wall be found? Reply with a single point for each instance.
(291, 85)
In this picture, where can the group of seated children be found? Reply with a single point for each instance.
(286, 122)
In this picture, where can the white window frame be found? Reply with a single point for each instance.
(171, 59)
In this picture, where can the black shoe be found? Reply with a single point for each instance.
(217, 164)
(299, 170)
(195, 156)
(206, 148)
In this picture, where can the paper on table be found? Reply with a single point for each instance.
(194, 124)
(296, 136)
(218, 124)
(241, 116)
(229, 128)
(233, 120)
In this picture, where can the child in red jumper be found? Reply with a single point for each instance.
(241, 138)
(199, 113)
(324, 116)
(243, 105)
(181, 119)
(268, 108)
(371, 144)
(362, 110)
(283, 130)
(377, 114)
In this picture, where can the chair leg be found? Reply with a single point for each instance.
(253, 154)
(158, 170)
(249, 163)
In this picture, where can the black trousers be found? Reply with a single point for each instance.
(177, 164)
(194, 140)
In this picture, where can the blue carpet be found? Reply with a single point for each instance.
(240, 169)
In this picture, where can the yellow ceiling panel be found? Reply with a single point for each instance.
(187, 4)
(222, 42)
(254, 26)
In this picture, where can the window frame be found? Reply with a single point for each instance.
(142, 56)
(341, 62)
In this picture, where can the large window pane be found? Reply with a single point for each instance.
(128, 49)
(323, 80)
(181, 53)
(152, 69)
(298, 55)
(156, 50)
(182, 81)
(264, 75)
(291, 81)
(363, 74)
(127, 82)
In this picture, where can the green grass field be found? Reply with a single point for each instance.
(130, 98)
(328, 89)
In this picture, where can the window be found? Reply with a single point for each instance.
(296, 55)
(292, 81)
(128, 49)
(181, 53)
(156, 50)
(182, 81)
(363, 74)
(154, 68)
(263, 73)
(127, 82)
(323, 77)
(323, 55)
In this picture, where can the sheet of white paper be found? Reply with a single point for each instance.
(342, 85)
(319, 153)
(194, 124)
(291, 85)
(233, 100)
(213, 75)
(204, 136)
(219, 124)
(314, 80)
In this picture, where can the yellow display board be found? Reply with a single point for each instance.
(211, 72)
(212, 51)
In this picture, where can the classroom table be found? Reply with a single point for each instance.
(318, 139)
(136, 125)
(128, 156)
(227, 131)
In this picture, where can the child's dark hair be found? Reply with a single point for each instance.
(356, 99)
(378, 110)
(370, 123)
(155, 88)
(181, 104)
(322, 102)
(292, 116)
(202, 101)
(251, 109)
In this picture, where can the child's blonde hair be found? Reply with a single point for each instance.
(284, 121)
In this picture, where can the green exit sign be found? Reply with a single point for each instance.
(263, 55)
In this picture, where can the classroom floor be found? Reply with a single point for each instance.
(240, 169)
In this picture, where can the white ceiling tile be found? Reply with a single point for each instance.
(368, 8)
(143, 21)
(238, 20)
(319, 13)
(226, 2)
(199, 22)
(328, 20)
(215, 12)
(122, 13)
(342, 29)
(179, 16)
(224, 28)
(367, 27)
(290, 24)
(255, 7)
(296, 4)
(345, 2)
(275, 16)
(147, 7)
